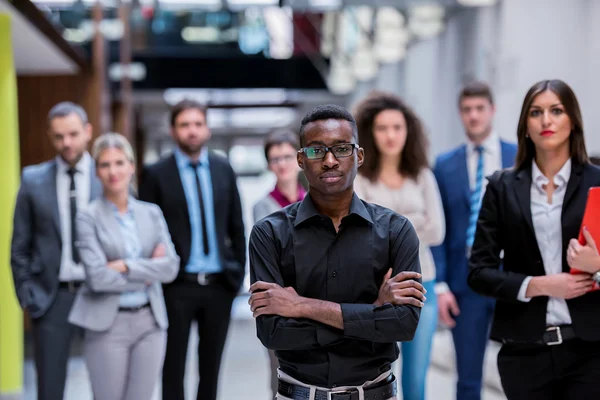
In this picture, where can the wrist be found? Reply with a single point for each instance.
(303, 307)
(537, 287)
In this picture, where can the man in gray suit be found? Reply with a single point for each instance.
(45, 264)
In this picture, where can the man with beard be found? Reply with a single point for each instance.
(45, 263)
(197, 192)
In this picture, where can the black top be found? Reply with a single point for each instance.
(298, 247)
(161, 184)
(505, 224)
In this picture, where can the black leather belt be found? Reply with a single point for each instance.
(554, 335)
(380, 391)
(134, 309)
(202, 279)
(71, 286)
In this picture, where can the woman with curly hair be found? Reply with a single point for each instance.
(396, 175)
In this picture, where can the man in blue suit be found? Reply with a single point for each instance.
(460, 175)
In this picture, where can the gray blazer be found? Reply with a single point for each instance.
(36, 246)
(265, 206)
(99, 241)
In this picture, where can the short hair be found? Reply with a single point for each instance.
(476, 89)
(186, 104)
(324, 112)
(67, 108)
(112, 141)
(595, 160)
(414, 154)
(526, 148)
(280, 137)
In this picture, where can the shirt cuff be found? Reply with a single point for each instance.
(359, 321)
(441, 288)
(523, 290)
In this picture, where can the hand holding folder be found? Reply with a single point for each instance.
(590, 226)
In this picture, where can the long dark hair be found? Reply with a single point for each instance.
(526, 151)
(414, 154)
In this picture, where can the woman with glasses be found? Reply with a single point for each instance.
(395, 175)
(281, 148)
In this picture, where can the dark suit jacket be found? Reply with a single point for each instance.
(452, 176)
(161, 184)
(36, 246)
(505, 223)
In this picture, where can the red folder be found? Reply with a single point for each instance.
(591, 220)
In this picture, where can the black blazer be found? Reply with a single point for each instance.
(161, 184)
(505, 223)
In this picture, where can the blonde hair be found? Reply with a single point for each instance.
(112, 141)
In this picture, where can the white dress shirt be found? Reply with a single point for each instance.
(69, 271)
(548, 233)
(492, 160)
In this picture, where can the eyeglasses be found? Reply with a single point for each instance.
(338, 151)
(277, 160)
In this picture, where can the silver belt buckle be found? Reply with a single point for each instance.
(558, 334)
(202, 279)
(332, 393)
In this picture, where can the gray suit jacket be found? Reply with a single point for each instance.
(36, 245)
(100, 241)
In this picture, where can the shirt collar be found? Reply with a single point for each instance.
(284, 201)
(561, 178)
(307, 210)
(491, 145)
(114, 208)
(82, 166)
(183, 160)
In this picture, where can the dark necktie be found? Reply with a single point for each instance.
(194, 166)
(73, 208)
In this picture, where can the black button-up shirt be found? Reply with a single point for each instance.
(298, 247)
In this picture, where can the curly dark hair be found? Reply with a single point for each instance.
(414, 154)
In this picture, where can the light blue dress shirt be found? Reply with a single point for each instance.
(199, 262)
(133, 249)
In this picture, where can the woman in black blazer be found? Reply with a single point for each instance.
(545, 317)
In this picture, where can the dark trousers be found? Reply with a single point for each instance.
(52, 336)
(569, 371)
(210, 306)
(470, 336)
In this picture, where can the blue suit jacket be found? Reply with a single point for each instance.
(453, 181)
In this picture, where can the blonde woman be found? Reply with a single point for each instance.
(127, 253)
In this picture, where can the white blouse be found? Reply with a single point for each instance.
(417, 200)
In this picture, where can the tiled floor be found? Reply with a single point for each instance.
(245, 368)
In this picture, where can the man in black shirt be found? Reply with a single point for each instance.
(322, 292)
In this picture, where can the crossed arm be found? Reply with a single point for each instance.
(287, 321)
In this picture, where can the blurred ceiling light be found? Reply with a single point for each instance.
(325, 4)
(389, 17)
(252, 2)
(112, 29)
(327, 33)
(426, 20)
(135, 71)
(364, 64)
(389, 54)
(198, 34)
(341, 80)
(364, 17)
(75, 35)
(426, 30)
(477, 3)
(227, 96)
(281, 31)
(428, 11)
(187, 4)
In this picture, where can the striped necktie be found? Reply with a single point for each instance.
(475, 198)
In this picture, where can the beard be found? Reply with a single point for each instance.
(190, 148)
